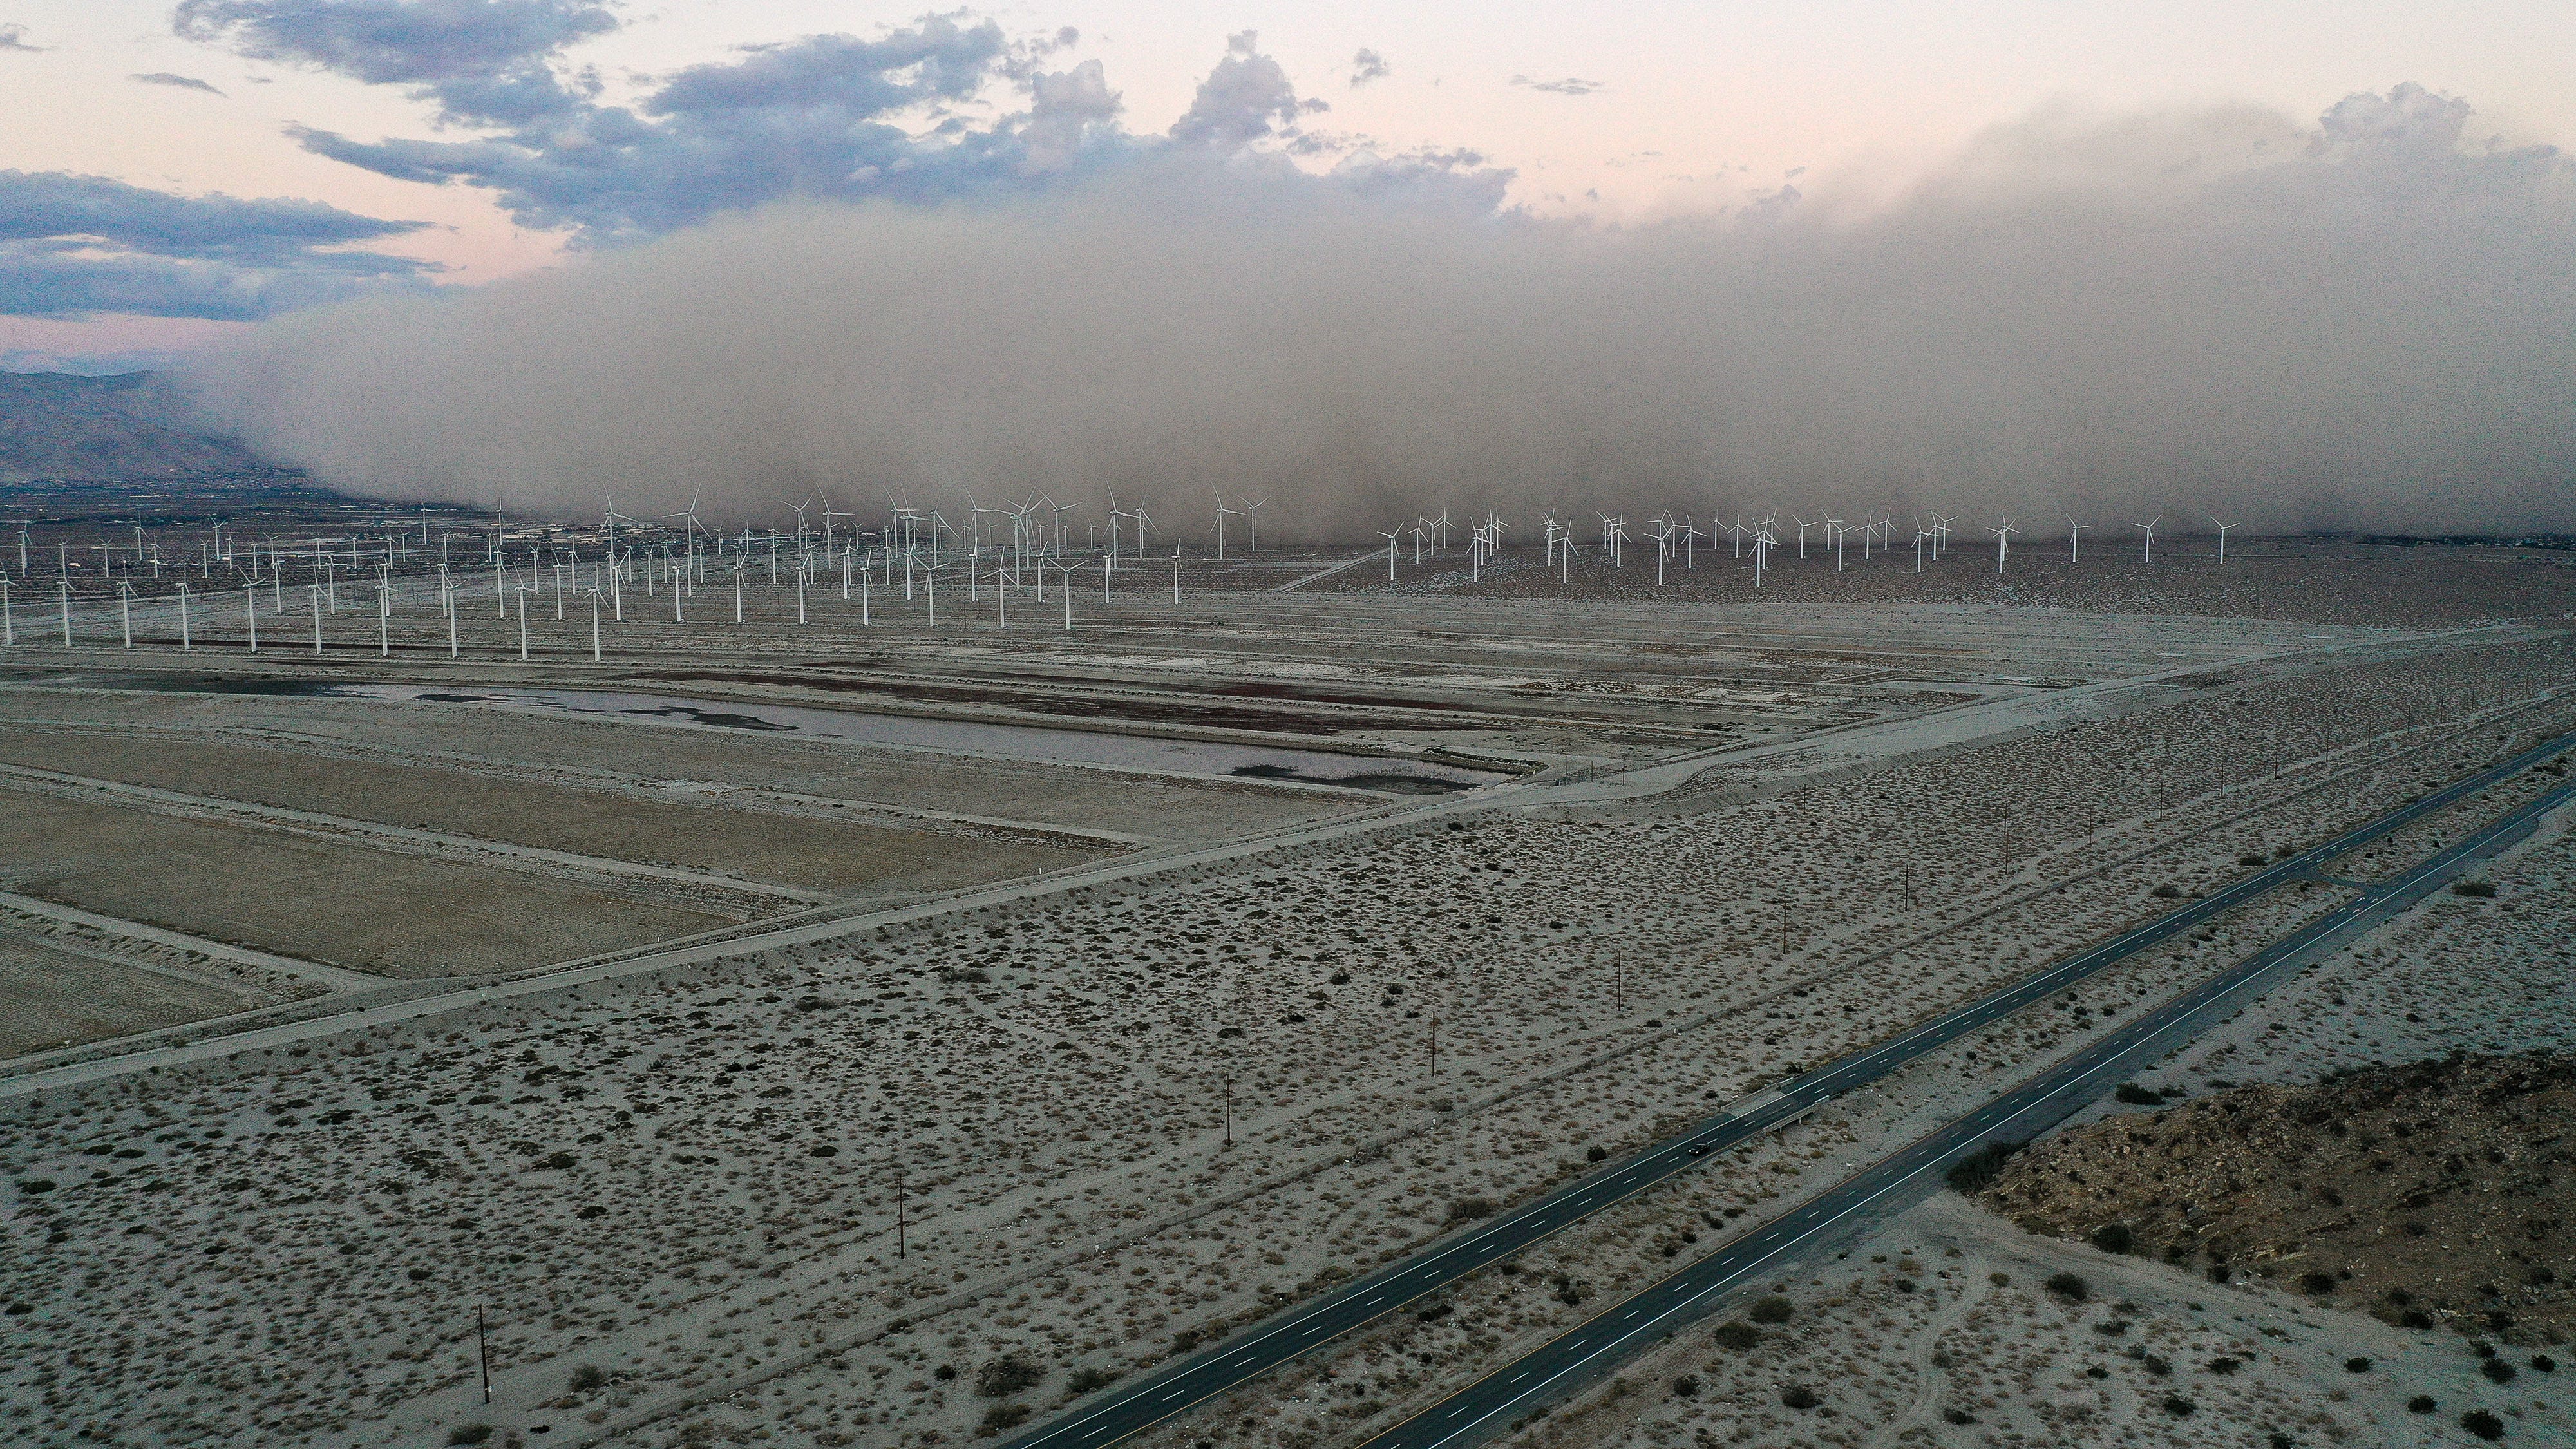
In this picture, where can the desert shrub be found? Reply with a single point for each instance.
(1462, 1209)
(1433, 1313)
(2166, 892)
(2114, 1238)
(1089, 1380)
(1568, 1292)
(1799, 1398)
(2479, 889)
(2482, 1424)
(2067, 1286)
(2544, 1363)
(1596, 1153)
(2251, 857)
(2421, 1404)
(1006, 1416)
(969, 975)
(477, 1433)
(1737, 1335)
(587, 1377)
(2415, 1318)
(944, 1373)
(2498, 1370)
(1957, 1416)
(1975, 1171)
(1685, 1386)
(2178, 1406)
(1769, 1310)
(2316, 1283)
(2136, 1096)
(1008, 1375)
(2356, 1365)
(2222, 1365)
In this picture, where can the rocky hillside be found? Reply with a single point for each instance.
(55, 426)
(2441, 1192)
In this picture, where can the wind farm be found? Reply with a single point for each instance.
(1338, 728)
(890, 973)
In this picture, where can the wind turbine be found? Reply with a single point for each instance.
(2150, 527)
(2074, 538)
(2222, 539)
(829, 513)
(1390, 535)
(1252, 515)
(2003, 541)
(689, 522)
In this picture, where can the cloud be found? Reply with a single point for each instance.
(1066, 110)
(182, 82)
(906, 114)
(14, 37)
(1247, 97)
(822, 116)
(389, 42)
(1459, 181)
(2223, 311)
(1567, 86)
(84, 245)
(1367, 66)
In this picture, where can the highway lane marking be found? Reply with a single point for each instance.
(2137, 1033)
(1932, 1148)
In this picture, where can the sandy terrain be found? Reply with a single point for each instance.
(2423, 1193)
(840, 856)
(59, 993)
(672, 1194)
(1072, 1093)
(393, 914)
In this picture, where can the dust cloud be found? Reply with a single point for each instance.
(2362, 322)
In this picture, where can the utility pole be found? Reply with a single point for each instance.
(482, 1354)
(898, 1213)
(1229, 1111)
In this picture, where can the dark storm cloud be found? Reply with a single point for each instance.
(77, 245)
(2366, 321)
(825, 116)
(427, 43)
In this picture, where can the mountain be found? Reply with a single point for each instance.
(55, 426)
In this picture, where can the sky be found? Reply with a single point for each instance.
(1621, 114)
(2296, 264)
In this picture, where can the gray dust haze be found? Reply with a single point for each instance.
(2364, 323)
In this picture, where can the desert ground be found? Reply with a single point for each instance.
(861, 1031)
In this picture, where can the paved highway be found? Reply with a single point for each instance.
(2018, 1114)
